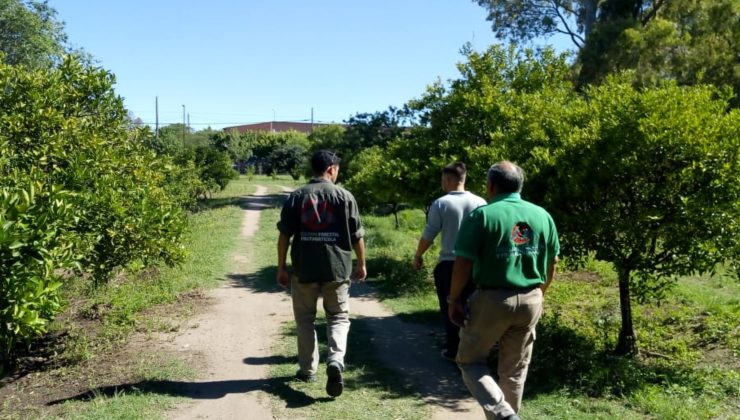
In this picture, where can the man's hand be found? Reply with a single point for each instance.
(359, 274)
(456, 312)
(417, 262)
(283, 278)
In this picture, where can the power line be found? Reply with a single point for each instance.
(161, 123)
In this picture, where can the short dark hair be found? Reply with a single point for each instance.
(506, 176)
(322, 160)
(456, 170)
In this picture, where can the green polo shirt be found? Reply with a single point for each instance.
(324, 222)
(510, 241)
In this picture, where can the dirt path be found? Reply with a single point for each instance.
(241, 326)
(410, 350)
(236, 352)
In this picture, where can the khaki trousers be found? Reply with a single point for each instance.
(336, 306)
(508, 317)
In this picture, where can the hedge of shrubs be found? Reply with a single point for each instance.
(81, 192)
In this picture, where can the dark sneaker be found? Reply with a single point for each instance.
(334, 381)
(512, 417)
(305, 377)
(448, 355)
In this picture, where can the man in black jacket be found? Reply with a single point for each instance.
(324, 222)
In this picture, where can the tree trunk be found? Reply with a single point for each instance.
(590, 8)
(627, 344)
(394, 208)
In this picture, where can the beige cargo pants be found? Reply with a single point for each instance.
(508, 317)
(336, 306)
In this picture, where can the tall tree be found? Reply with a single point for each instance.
(365, 130)
(690, 41)
(329, 137)
(480, 117)
(524, 20)
(30, 33)
(238, 146)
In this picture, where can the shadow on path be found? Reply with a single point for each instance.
(411, 351)
(270, 360)
(204, 390)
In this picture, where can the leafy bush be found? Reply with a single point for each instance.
(214, 166)
(35, 240)
(78, 190)
(290, 159)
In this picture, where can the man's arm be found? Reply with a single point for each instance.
(460, 278)
(283, 277)
(421, 248)
(360, 271)
(550, 274)
(432, 228)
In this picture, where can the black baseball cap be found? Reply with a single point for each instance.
(322, 160)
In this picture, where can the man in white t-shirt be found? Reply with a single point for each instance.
(446, 215)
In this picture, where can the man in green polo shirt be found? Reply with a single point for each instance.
(511, 247)
(324, 222)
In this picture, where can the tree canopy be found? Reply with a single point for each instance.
(524, 20)
(689, 41)
(644, 178)
(30, 33)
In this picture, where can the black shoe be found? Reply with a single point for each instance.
(334, 381)
(512, 417)
(305, 377)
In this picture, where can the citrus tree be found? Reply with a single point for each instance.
(79, 191)
(650, 184)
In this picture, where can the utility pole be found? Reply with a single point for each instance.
(156, 118)
(312, 119)
(188, 121)
(183, 124)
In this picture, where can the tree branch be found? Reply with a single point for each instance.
(657, 4)
(662, 257)
(577, 39)
(559, 4)
(573, 35)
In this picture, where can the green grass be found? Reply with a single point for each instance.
(132, 402)
(562, 405)
(124, 406)
(371, 391)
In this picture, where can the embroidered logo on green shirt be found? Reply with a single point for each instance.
(521, 233)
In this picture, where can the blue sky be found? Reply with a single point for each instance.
(233, 62)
